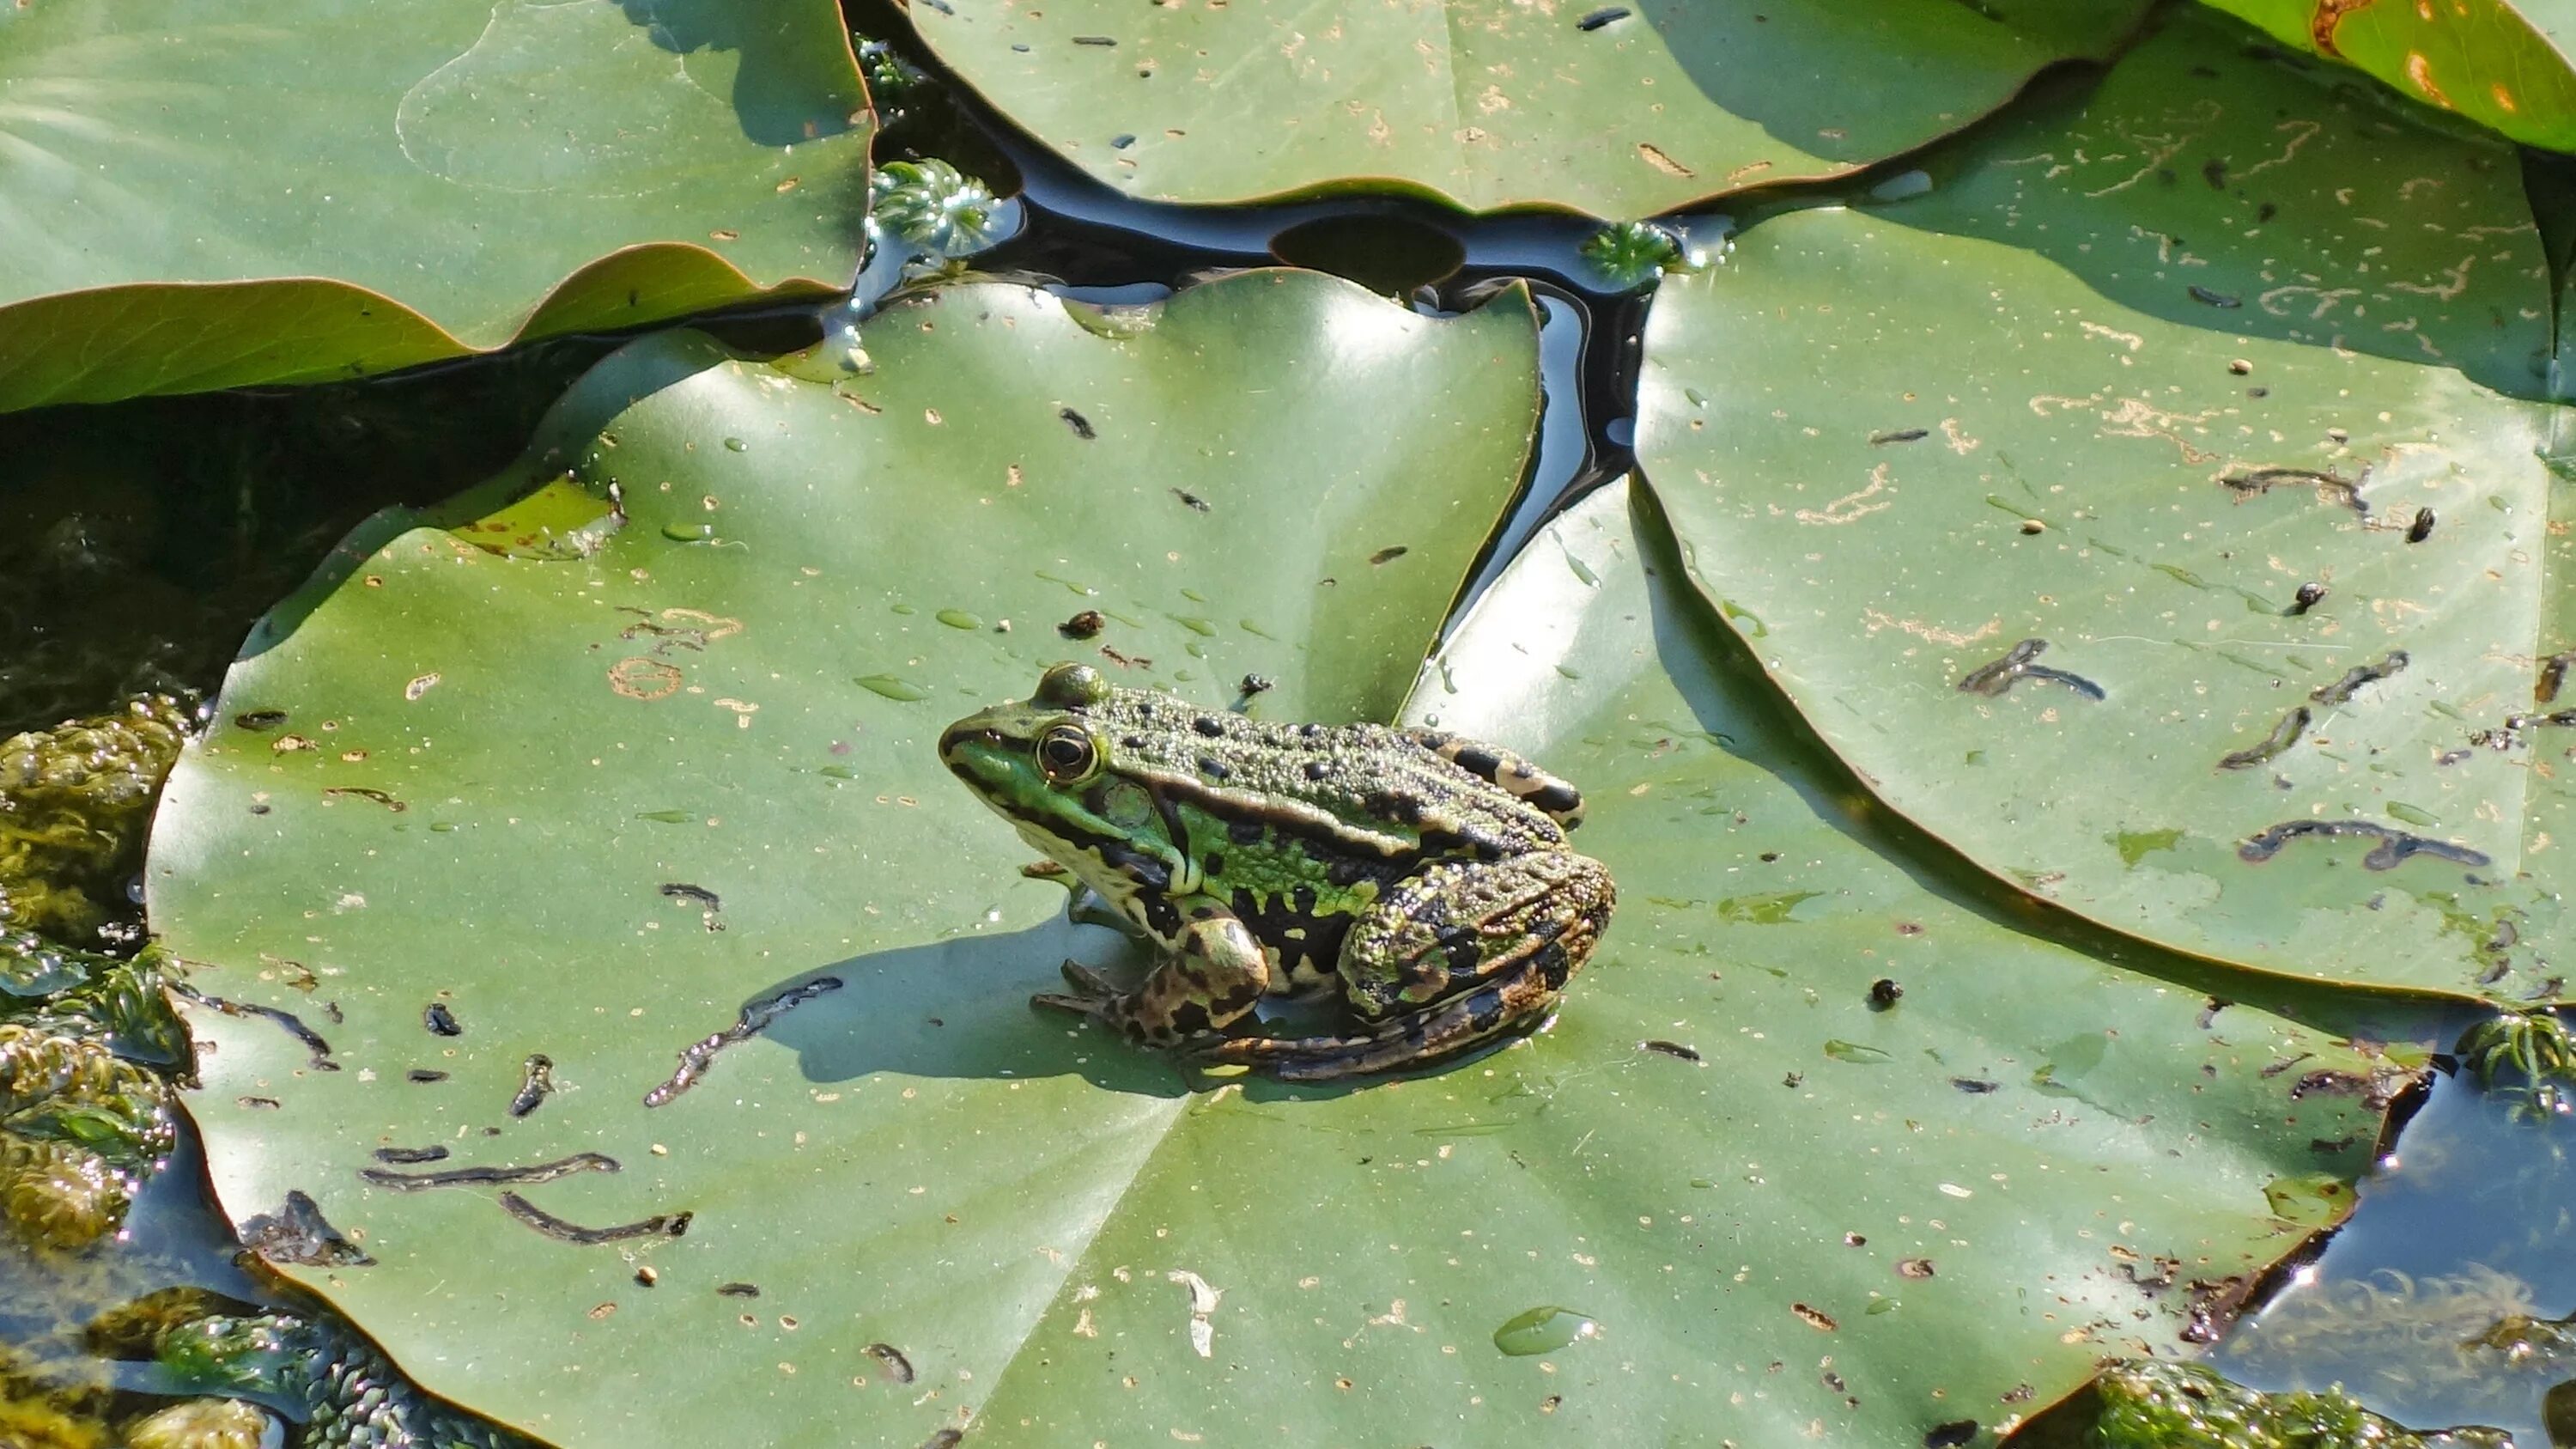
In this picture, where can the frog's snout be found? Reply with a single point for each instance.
(957, 742)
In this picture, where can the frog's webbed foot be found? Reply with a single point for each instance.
(1516, 1001)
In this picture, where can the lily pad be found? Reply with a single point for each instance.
(2501, 64)
(2209, 440)
(448, 177)
(948, 1206)
(1682, 1203)
(1616, 110)
(591, 789)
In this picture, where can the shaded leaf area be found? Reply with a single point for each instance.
(2172, 570)
(1619, 110)
(592, 790)
(149, 534)
(2501, 64)
(222, 192)
(1796, 1201)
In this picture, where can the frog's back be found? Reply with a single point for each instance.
(1374, 790)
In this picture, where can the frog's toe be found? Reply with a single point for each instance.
(1087, 983)
(1079, 1005)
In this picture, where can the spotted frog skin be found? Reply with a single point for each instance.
(1424, 877)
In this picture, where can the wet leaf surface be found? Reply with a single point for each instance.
(363, 190)
(2182, 568)
(1630, 1218)
(2499, 63)
(1591, 1233)
(1619, 110)
(602, 805)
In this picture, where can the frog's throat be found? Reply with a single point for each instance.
(1116, 881)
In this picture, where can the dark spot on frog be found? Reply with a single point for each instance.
(1884, 993)
(2207, 297)
(1082, 625)
(1192, 500)
(1317, 769)
(1081, 425)
(1214, 864)
(1208, 725)
(737, 1290)
(1245, 831)
(440, 1020)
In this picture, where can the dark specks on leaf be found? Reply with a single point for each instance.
(1192, 500)
(1081, 425)
(1389, 555)
(1103, 40)
(2422, 528)
(1670, 1049)
(2215, 299)
(1603, 16)
(2214, 171)
(440, 1020)
(1883, 994)
(1899, 435)
(1082, 625)
(1951, 1435)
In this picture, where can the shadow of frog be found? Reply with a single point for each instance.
(960, 1008)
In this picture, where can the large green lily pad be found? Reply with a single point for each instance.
(2032, 1160)
(595, 803)
(2499, 63)
(1616, 110)
(212, 193)
(1793, 1215)
(1896, 447)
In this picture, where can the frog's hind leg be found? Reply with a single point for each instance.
(1499, 766)
(1518, 1000)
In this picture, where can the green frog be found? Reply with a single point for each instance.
(1424, 877)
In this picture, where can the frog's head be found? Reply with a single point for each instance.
(1046, 765)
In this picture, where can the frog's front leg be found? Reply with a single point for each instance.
(1214, 973)
(1452, 957)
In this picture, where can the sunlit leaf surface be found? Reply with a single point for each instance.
(2188, 380)
(213, 193)
(1618, 110)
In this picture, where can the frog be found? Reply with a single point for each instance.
(1423, 878)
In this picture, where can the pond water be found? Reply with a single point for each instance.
(2433, 1305)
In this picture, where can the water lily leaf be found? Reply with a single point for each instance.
(2210, 442)
(445, 178)
(971, 1209)
(2501, 64)
(1619, 110)
(1682, 1204)
(590, 801)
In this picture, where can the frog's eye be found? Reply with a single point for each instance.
(1065, 753)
